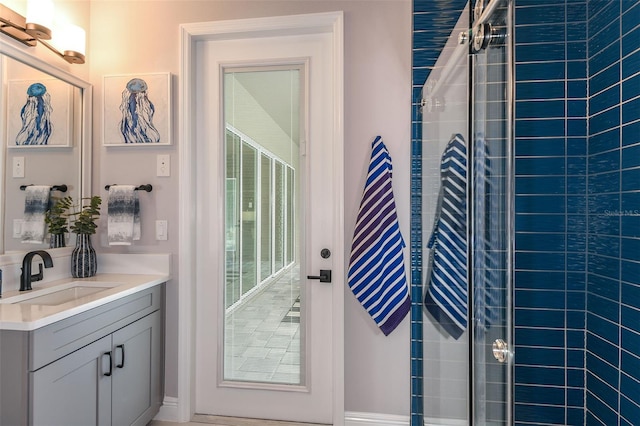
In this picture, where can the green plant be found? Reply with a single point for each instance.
(85, 220)
(56, 217)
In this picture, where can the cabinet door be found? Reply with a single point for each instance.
(74, 390)
(136, 388)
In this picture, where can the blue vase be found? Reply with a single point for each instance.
(84, 262)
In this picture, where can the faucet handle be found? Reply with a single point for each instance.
(39, 275)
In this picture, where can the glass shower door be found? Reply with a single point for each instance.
(491, 225)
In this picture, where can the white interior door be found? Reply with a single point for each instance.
(269, 215)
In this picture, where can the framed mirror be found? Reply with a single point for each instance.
(45, 129)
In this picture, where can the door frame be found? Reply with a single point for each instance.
(190, 34)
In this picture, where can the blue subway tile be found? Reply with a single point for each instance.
(540, 261)
(575, 416)
(536, 318)
(603, 286)
(540, 71)
(576, 146)
(541, 53)
(576, 319)
(604, 100)
(575, 340)
(604, 244)
(604, 350)
(576, 127)
(540, 185)
(608, 224)
(631, 110)
(539, 204)
(575, 299)
(546, 166)
(548, 395)
(630, 225)
(543, 375)
(550, 14)
(630, 41)
(534, 280)
(576, 223)
(576, 50)
(576, 204)
(576, 70)
(604, 58)
(631, 133)
(629, 410)
(631, 88)
(604, 370)
(576, 281)
(551, 357)
(540, 109)
(630, 17)
(576, 108)
(576, 89)
(575, 358)
(603, 328)
(548, 147)
(605, 79)
(605, 266)
(539, 299)
(630, 365)
(603, 391)
(630, 388)
(537, 414)
(540, 128)
(630, 155)
(630, 271)
(541, 90)
(630, 250)
(576, 31)
(576, 262)
(608, 32)
(604, 120)
(630, 318)
(604, 141)
(536, 34)
(605, 162)
(631, 64)
(604, 183)
(602, 13)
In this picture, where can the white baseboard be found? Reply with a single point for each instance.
(168, 410)
(169, 413)
(353, 418)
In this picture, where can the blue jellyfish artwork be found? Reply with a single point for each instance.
(137, 114)
(36, 117)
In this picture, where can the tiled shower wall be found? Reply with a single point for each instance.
(613, 219)
(577, 260)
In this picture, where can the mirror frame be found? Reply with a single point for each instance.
(21, 54)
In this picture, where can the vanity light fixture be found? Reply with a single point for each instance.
(67, 41)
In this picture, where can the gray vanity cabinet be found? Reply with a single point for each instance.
(101, 367)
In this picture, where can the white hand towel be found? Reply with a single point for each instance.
(123, 215)
(36, 203)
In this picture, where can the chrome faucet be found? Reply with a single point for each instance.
(26, 278)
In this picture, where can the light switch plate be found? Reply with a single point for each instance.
(18, 167)
(163, 165)
(161, 230)
(17, 228)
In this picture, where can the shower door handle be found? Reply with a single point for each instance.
(501, 350)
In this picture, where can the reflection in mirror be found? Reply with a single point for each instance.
(42, 129)
(262, 239)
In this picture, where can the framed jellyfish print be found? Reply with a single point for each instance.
(39, 113)
(137, 110)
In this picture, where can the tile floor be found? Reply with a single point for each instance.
(262, 335)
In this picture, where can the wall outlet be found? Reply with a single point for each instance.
(18, 167)
(163, 165)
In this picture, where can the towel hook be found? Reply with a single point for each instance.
(145, 187)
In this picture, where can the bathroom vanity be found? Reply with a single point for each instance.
(83, 352)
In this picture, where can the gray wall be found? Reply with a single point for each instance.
(143, 37)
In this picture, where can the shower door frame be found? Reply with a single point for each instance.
(509, 119)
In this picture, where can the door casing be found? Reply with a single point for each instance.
(182, 409)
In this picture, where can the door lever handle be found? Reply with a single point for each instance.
(324, 277)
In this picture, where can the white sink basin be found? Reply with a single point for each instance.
(60, 294)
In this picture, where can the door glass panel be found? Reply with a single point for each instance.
(491, 226)
(263, 303)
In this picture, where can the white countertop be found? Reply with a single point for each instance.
(26, 317)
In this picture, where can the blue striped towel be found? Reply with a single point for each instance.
(376, 269)
(446, 298)
(123, 215)
(36, 203)
(488, 246)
